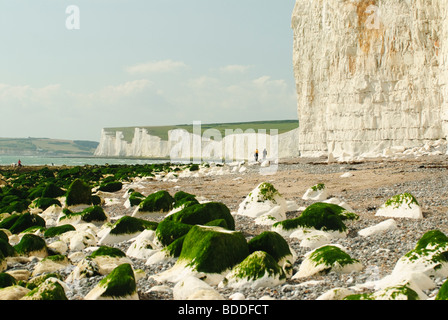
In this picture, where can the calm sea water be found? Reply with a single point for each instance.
(38, 161)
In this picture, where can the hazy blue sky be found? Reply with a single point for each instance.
(142, 62)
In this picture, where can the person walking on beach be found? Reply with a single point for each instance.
(265, 153)
(256, 155)
(19, 163)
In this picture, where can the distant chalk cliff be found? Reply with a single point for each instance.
(207, 145)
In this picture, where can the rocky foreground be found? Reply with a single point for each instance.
(373, 246)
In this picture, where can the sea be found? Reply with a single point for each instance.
(73, 161)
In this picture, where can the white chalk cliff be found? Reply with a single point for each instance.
(183, 145)
(371, 75)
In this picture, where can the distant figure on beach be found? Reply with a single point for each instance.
(265, 153)
(256, 155)
(19, 163)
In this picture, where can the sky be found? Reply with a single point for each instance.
(70, 68)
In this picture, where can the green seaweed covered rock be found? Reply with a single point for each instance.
(184, 199)
(325, 259)
(213, 249)
(32, 245)
(55, 231)
(259, 269)
(168, 231)
(92, 214)
(43, 203)
(201, 214)
(135, 198)
(108, 258)
(428, 257)
(276, 246)
(17, 223)
(318, 216)
(443, 292)
(120, 284)
(50, 289)
(124, 229)
(7, 280)
(112, 186)
(398, 292)
(79, 193)
(157, 202)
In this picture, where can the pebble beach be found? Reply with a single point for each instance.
(363, 185)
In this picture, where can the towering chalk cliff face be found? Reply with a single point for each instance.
(370, 74)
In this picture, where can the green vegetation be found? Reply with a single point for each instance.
(257, 265)
(47, 147)
(400, 292)
(55, 231)
(120, 282)
(272, 243)
(107, 251)
(213, 250)
(317, 187)
(31, 243)
(330, 256)
(79, 192)
(48, 290)
(130, 225)
(162, 131)
(160, 201)
(203, 213)
(400, 199)
(267, 192)
(320, 216)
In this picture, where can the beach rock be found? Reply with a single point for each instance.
(192, 288)
(257, 270)
(17, 223)
(401, 206)
(32, 245)
(399, 292)
(203, 213)
(159, 202)
(134, 199)
(111, 186)
(276, 246)
(317, 192)
(387, 225)
(443, 294)
(428, 256)
(51, 264)
(169, 231)
(15, 292)
(143, 246)
(208, 251)
(7, 280)
(50, 289)
(318, 216)
(325, 259)
(265, 204)
(58, 230)
(78, 193)
(79, 239)
(120, 284)
(336, 294)
(124, 229)
(108, 258)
